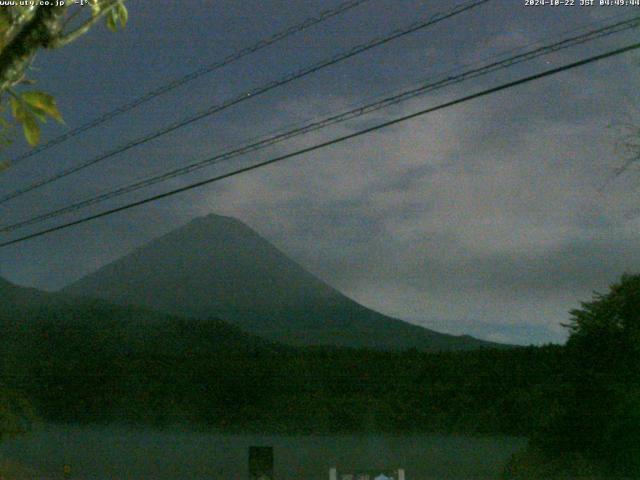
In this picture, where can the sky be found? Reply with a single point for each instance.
(492, 218)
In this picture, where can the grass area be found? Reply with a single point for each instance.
(531, 464)
(10, 470)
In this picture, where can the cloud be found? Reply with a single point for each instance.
(463, 214)
(484, 218)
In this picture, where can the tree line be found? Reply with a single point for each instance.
(578, 403)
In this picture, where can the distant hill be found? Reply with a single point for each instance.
(217, 266)
(87, 361)
(67, 323)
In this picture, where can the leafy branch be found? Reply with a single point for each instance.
(30, 107)
(24, 31)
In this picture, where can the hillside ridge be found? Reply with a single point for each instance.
(217, 266)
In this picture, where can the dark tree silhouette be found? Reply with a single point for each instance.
(596, 432)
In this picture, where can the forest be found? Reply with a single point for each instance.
(100, 364)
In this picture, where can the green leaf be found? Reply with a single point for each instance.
(4, 164)
(17, 109)
(123, 14)
(5, 24)
(39, 114)
(31, 129)
(27, 118)
(112, 20)
(96, 6)
(117, 15)
(43, 103)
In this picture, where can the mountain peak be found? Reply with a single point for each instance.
(212, 226)
(217, 266)
(213, 218)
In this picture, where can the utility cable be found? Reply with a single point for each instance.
(434, 19)
(178, 82)
(318, 146)
(334, 119)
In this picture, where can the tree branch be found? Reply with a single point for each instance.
(17, 23)
(37, 33)
(67, 38)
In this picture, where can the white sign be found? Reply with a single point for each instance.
(367, 475)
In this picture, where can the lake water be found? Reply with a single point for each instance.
(123, 453)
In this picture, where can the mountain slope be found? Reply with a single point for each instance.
(90, 362)
(217, 266)
(69, 324)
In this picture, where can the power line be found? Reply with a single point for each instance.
(334, 141)
(432, 20)
(167, 87)
(331, 120)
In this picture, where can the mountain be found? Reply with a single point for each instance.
(86, 360)
(72, 360)
(69, 324)
(217, 266)
(14, 298)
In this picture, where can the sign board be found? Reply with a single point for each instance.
(385, 474)
(261, 463)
